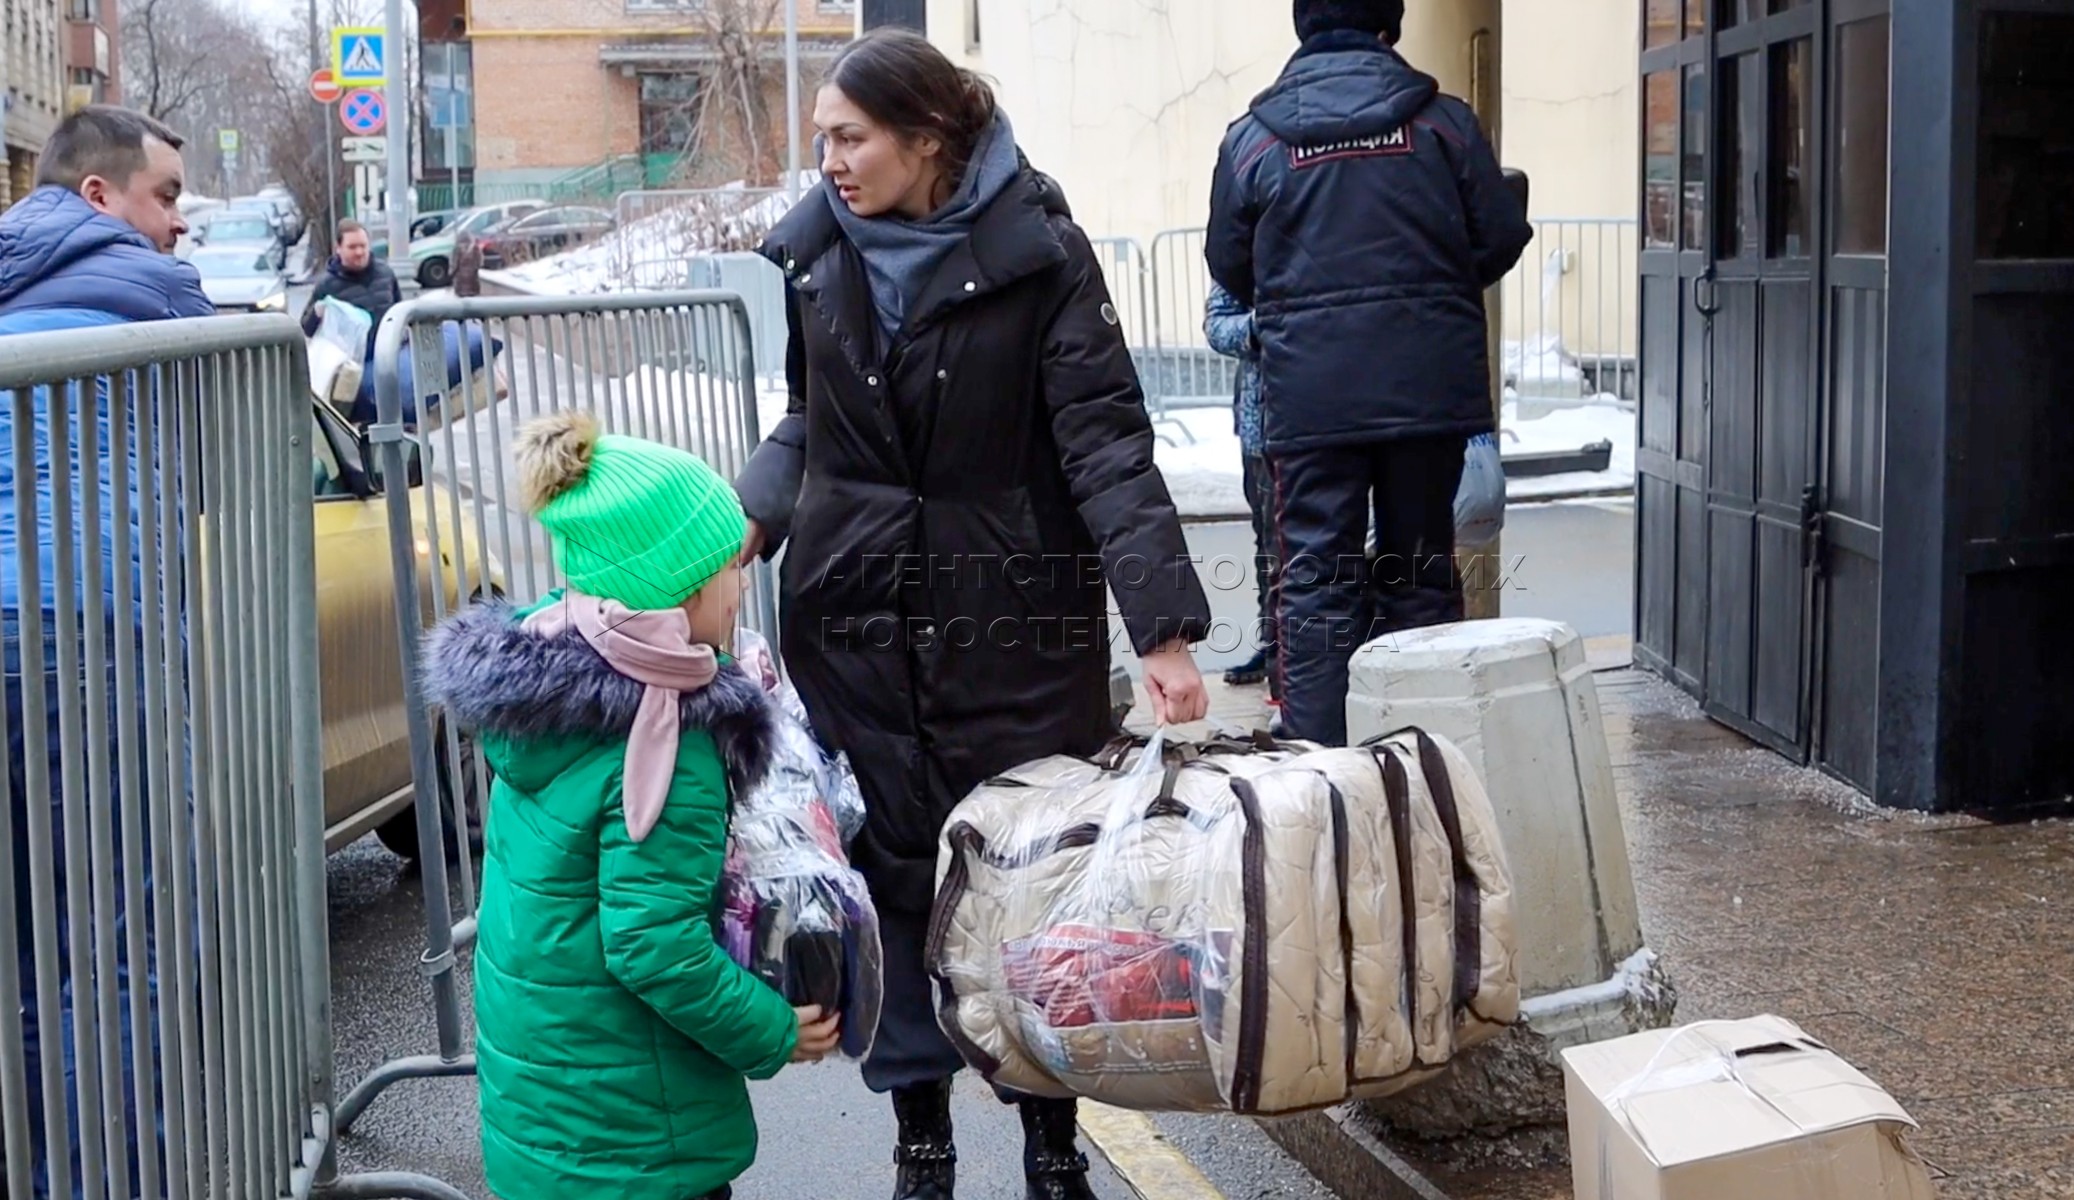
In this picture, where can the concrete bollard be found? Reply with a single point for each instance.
(1517, 697)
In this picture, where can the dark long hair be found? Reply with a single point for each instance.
(903, 82)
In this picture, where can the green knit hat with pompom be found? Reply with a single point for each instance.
(631, 520)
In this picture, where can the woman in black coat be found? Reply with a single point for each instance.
(965, 464)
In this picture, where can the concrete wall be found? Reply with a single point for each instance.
(1572, 99)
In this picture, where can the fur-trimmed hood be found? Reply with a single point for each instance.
(496, 679)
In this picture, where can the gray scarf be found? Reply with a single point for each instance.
(902, 256)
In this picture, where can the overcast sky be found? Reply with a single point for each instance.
(281, 13)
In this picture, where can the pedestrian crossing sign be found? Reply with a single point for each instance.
(359, 57)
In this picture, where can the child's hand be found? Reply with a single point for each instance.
(817, 1034)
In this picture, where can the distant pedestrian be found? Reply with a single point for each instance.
(1232, 332)
(1361, 215)
(614, 1034)
(467, 264)
(354, 276)
(91, 245)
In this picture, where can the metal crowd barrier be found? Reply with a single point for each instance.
(1572, 310)
(676, 367)
(1571, 322)
(164, 979)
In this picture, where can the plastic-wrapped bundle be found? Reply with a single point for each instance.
(798, 750)
(794, 912)
(1225, 926)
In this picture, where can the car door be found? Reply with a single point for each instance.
(360, 673)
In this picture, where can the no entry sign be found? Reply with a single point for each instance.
(324, 87)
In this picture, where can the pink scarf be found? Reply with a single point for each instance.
(654, 648)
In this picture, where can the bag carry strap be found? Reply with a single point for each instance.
(1112, 755)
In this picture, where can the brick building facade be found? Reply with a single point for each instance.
(93, 65)
(556, 87)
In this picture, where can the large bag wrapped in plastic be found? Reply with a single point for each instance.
(793, 911)
(1225, 927)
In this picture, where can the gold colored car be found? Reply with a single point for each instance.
(367, 767)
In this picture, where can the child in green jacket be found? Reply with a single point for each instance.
(615, 1037)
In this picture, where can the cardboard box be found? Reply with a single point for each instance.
(1733, 1110)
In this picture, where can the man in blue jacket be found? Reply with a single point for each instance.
(1361, 215)
(90, 246)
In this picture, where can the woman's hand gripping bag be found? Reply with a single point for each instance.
(794, 912)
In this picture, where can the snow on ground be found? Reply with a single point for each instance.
(1604, 420)
(654, 252)
(1203, 475)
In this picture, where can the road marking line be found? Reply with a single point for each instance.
(1153, 1167)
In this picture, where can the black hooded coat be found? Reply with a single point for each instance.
(951, 507)
(1361, 215)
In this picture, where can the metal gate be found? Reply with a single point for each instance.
(164, 983)
(1762, 333)
(454, 379)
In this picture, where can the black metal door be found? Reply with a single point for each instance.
(1762, 380)
(1748, 348)
(1855, 106)
(1670, 458)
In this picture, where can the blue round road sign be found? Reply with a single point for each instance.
(363, 112)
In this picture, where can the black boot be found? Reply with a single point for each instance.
(1052, 1162)
(1253, 670)
(928, 1162)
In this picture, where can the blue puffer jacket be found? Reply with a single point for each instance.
(1361, 214)
(65, 266)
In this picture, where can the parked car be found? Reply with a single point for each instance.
(432, 223)
(278, 210)
(231, 226)
(432, 259)
(367, 764)
(549, 231)
(242, 277)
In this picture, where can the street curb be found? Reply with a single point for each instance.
(1142, 1157)
(1347, 1159)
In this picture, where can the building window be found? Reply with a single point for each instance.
(666, 6)
(1734, 184)
(449, 141)
(670, 116)
(1660, 160)
(1861, 137)
(843, 7)
(1786, 160)
(1659, 24)
(2026, 200)
(1693, 173)
(83, 10)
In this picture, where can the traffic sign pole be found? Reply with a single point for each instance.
(398, 98)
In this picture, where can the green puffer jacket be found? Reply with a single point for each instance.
(613, 1032)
